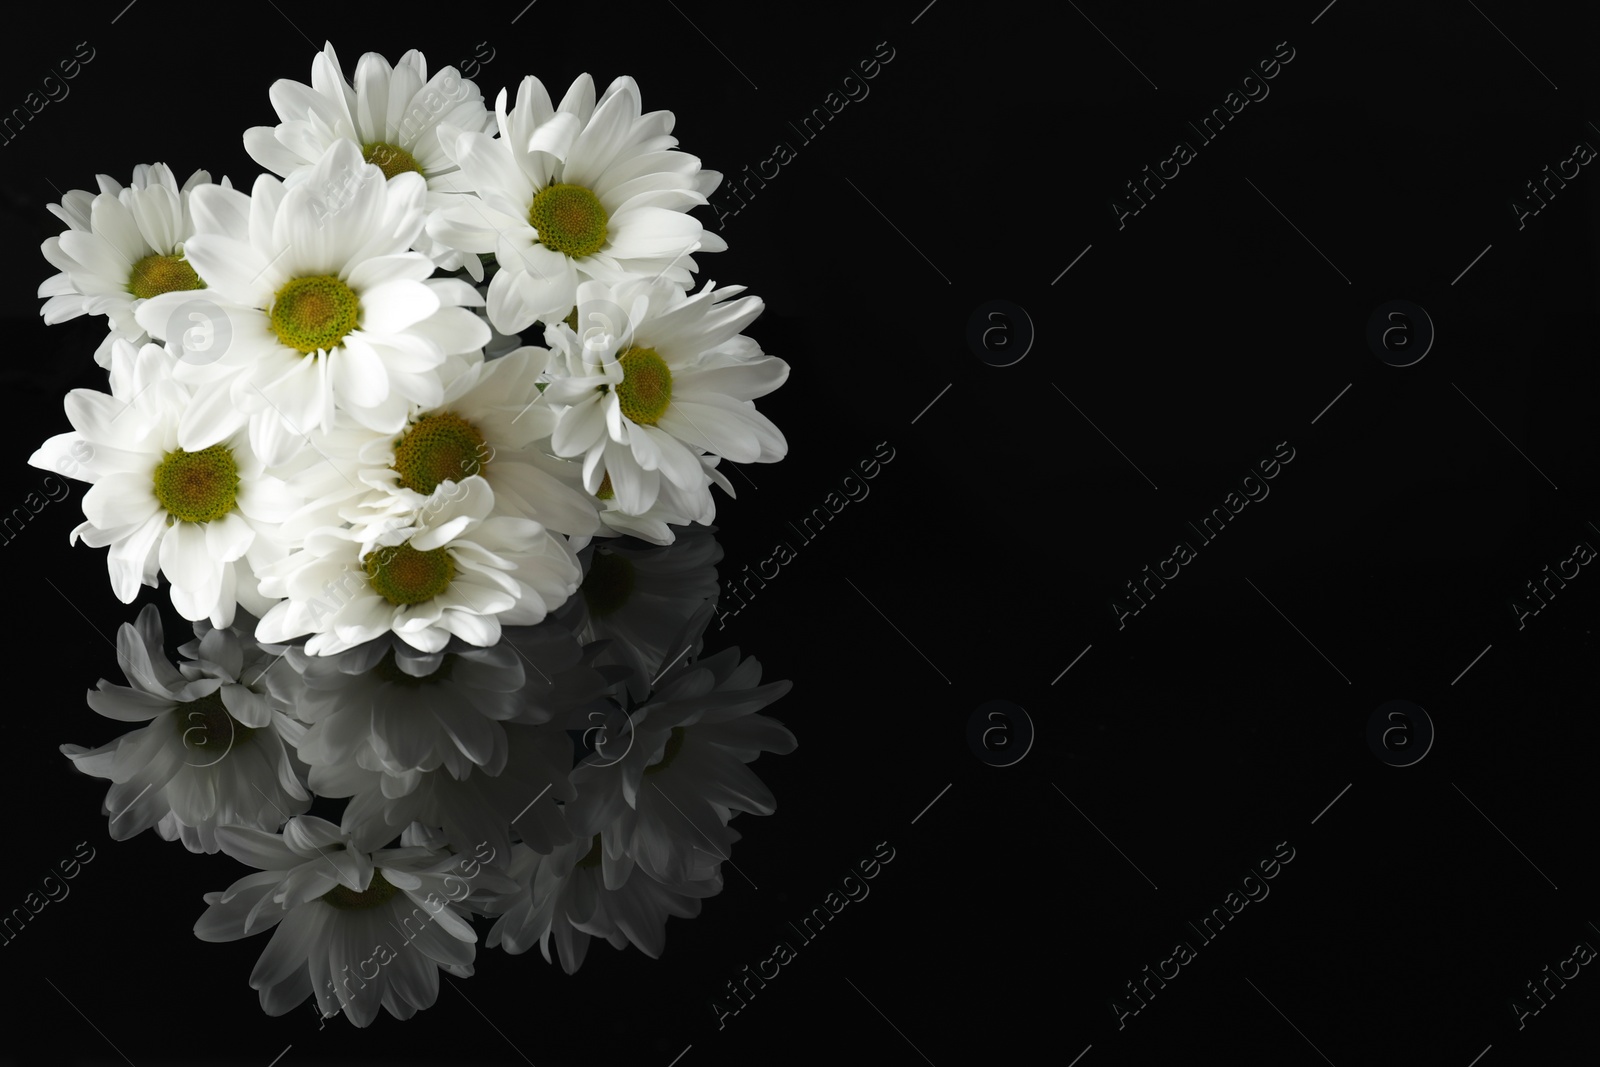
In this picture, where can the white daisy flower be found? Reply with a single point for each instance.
(325, 306)
(358, 929)
(489, 424)
(591, 189)
(393, 114)
(204, 515)
(460, 569)
(123, 246)
(217, 750)
(654, 380)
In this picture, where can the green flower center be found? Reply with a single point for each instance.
(314, 314)
(207, 727)
(197, 486)
(569, 219)
(157, 274)
(646, 386)
(403, 575)
(442, 447)
(593, 858)
(668, 753)
(389, 671)
(390, 158)
(606, 492)
(608, 584)
(377, 892)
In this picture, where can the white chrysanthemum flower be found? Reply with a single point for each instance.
(393, 114)
(591, 189)
(460, 569)
(339, 910)
(641, 597)
(489, 424)
(124, 246)
(671, 796)
(654, 380)
(585, 889)
(204, 516)
(217, 750)
(323, 303)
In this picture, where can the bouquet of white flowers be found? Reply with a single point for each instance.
(320, 407)
(366, 492)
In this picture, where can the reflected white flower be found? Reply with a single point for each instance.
(668, 801)
(522, 800)
(641, 596)
(583, 890)
(339, 910)
(218, 747)
(396, 709)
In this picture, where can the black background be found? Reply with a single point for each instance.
(1179, 749)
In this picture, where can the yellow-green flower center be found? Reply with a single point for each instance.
(315, 313)
(197, 486)
(378, 891)
(646, 386)
(390, 158)
(669, 752)
(207, 728)
(157, 274)
(569, 219)
(403, 575)
(606, 492)
(442, 447)
(608, 584)
(593, 857)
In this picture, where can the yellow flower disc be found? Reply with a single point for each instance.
(197, 486)
(315, 313)
(569, 219)
(157, 274)
(646, 386)
(442, 447)
(403, 575)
